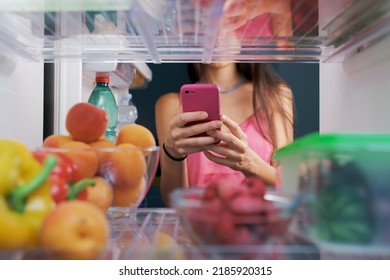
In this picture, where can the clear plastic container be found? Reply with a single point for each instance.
(127, 111)
(343, 181)
(160, 234)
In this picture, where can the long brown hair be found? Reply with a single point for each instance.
(268, 94)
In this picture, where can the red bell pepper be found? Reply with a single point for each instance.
(66, 182)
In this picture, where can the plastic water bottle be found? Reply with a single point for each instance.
(103, 98)
(127, 111)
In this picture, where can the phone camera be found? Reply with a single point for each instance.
(186, 92)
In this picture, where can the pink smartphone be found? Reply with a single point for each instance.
(201, 97)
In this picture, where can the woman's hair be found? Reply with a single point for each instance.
(268, 94)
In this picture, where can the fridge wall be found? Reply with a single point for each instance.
(21, 101)
(355, 94)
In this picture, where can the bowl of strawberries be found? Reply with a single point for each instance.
(244, 215)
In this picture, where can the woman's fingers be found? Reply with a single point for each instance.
(188, 133)
(219, 160)
(234, 138)
(226, 138)
(195, 142)
(225, 151)
(183, 118)
(191, 124)
(234, 128)
(185, 146)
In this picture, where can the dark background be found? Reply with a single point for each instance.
(303, 78)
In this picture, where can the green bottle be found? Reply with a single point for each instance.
(103, 98)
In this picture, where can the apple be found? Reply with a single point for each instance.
(75, 230)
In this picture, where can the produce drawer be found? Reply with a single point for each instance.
(158, 234)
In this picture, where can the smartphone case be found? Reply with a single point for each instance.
(201, 97)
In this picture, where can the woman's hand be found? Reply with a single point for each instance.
(236, 13)
(180, 140)
(233, 151)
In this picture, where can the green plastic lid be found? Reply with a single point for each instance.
(336, 142)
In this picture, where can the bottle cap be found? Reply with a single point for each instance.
(102, 78)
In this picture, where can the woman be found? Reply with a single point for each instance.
(256, 119)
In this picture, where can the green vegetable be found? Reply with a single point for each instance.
(342, 207)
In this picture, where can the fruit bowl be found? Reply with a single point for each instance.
(245, 218)
(127, 170)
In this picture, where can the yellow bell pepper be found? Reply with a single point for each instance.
(25, 200)
(9, 167)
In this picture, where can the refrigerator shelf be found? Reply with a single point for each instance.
(157, 234)
(159, 31)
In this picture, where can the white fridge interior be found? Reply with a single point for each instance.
(348, 39)
(354, 95)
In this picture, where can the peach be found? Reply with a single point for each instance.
(75, 229)
(86, 122)
(123, 167)
(56, 140)
(101, 194)
(130, 195)
(84, 156)
(101, 144)
(135, 134)
(166, 247)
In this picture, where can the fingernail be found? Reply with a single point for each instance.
(205, 115)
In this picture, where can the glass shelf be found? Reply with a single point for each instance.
(164, 31)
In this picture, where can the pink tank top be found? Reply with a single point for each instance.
(201, 170)
(256, 27)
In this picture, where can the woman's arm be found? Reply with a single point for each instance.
(173, 173)
(176, 136)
